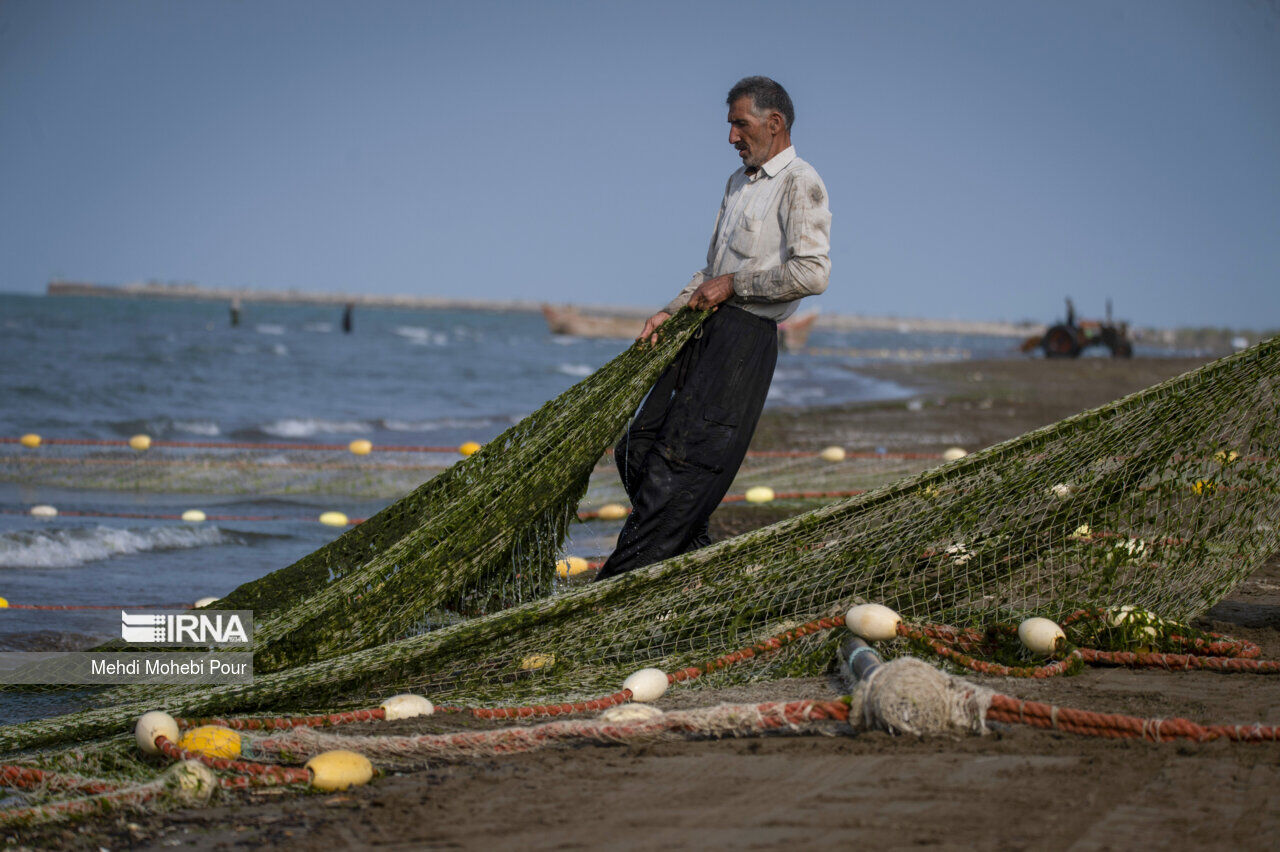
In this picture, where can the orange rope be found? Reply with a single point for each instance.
(1116, 726)
(256, 774)
(772, 715)
(28, 777)
(270, 723)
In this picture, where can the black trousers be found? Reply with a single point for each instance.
(685, 445)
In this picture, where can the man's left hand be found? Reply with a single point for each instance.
(712, 292)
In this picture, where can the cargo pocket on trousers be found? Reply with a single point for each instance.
(706, 449)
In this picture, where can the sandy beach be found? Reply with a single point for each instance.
(1017, 788)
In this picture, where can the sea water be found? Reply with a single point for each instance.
(106, 369)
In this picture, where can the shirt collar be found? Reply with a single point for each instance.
(779, 162)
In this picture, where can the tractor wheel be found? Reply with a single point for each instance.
(1060, 342)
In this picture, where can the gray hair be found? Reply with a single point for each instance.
(767, 96)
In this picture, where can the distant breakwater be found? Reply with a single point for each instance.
(832, 322)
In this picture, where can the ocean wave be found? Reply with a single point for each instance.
(419, 336)
(163, 427)
(393, 425)
(576, 370)
(268, 328)
(319, 327)
(205, 428)
(295, 427)
(67, 548)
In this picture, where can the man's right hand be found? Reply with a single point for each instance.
(650, 332)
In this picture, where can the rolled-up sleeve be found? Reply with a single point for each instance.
(686, 294)
(805, 220)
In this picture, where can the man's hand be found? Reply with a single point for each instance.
(712, 292)
(650, 332)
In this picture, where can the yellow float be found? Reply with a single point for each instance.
(339, 769)
(571, 567)
(612, 512)
(533, 662)
(211, 741)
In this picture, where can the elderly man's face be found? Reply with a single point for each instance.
(752, 135)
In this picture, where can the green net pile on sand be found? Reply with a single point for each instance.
(1165, 500)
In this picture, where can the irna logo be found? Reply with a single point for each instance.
(186, 628)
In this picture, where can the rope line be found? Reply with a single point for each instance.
(258, 774)
(1005, 708)
(396, 448)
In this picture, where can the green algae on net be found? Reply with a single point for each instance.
(1164, 499)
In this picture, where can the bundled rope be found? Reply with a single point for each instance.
(723, 720)
(185, 783)
(1212, 652)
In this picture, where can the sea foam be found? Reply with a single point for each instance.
(296, 427)
(66, 548)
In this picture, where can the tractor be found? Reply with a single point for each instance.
(1069, 338)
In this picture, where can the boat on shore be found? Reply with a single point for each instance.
(793, 333)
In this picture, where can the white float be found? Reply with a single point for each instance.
(43, 511)
(1040, 635)
(952, 453)
(873, 622)
(406, 706)
(204, 602)
(194, 516)
(626, 713)
(333, 519)
(759, 494)
(646, 685)
(833, 454)
(191, 780)
(152, 725)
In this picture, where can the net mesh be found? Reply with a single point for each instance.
(1164, 500)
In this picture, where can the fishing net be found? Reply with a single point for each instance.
(387, 472)
(222, 468)
(1164, 500)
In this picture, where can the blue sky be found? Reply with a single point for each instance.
(984, 159)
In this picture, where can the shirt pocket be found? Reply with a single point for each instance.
(746, 236)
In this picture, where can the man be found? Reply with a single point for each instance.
(768, 251)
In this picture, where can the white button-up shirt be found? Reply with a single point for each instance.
(773, 233)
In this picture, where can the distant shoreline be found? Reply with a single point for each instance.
(834, 322)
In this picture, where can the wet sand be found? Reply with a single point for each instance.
(1018, 788)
